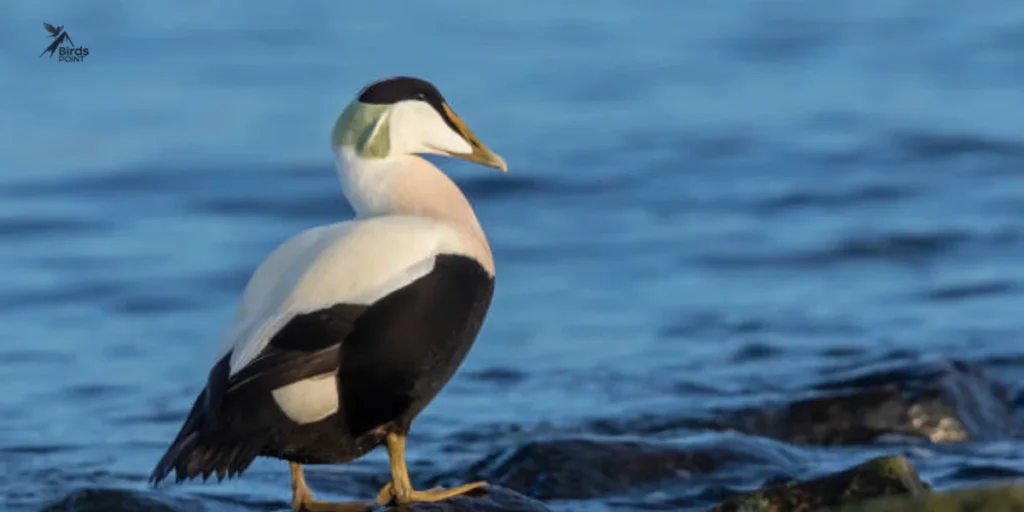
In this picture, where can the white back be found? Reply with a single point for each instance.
(355, 262)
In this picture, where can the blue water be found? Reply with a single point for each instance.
(690, 183)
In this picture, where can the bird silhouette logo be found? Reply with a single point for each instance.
(59, 35)
(63, 45)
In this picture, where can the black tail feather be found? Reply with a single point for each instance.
(196, 452)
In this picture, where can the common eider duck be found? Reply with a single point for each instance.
(347, 331)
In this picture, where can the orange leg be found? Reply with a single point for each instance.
(400, 490)
(302, 497)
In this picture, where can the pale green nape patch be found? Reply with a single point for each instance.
(364, 128)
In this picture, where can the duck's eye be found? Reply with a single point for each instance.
(421, 96)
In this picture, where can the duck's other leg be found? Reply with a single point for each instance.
(302, 497)
(400, 488)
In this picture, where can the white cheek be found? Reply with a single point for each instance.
(443, 138)
(417, 128)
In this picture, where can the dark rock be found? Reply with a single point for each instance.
(114, 500)
(494, 499)
(581, 468)
(940, 401)
(989, 499)
(884, 476)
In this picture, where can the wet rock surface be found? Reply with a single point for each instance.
(116, 500)
(885, 476)
(904, 399)
(494, 499)
(899, 406)
(581, 468)
(939, 401)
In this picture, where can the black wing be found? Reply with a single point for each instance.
(51, 29)
(309, 345)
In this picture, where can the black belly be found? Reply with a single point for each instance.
(397, 356)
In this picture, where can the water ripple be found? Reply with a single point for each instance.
(955, 292)
(42, 228)
(849, 198)
(926, 146)
(907, 247)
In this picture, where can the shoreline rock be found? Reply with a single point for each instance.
(883, 476)
(882, 484)
(1007, 498)
(91, 499)
(943, 401)
(588, 467)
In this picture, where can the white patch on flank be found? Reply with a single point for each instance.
(309, 400)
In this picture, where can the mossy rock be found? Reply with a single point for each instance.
(987, 499)
(884, 476)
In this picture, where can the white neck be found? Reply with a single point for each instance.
(406, 184)
(366, 182)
